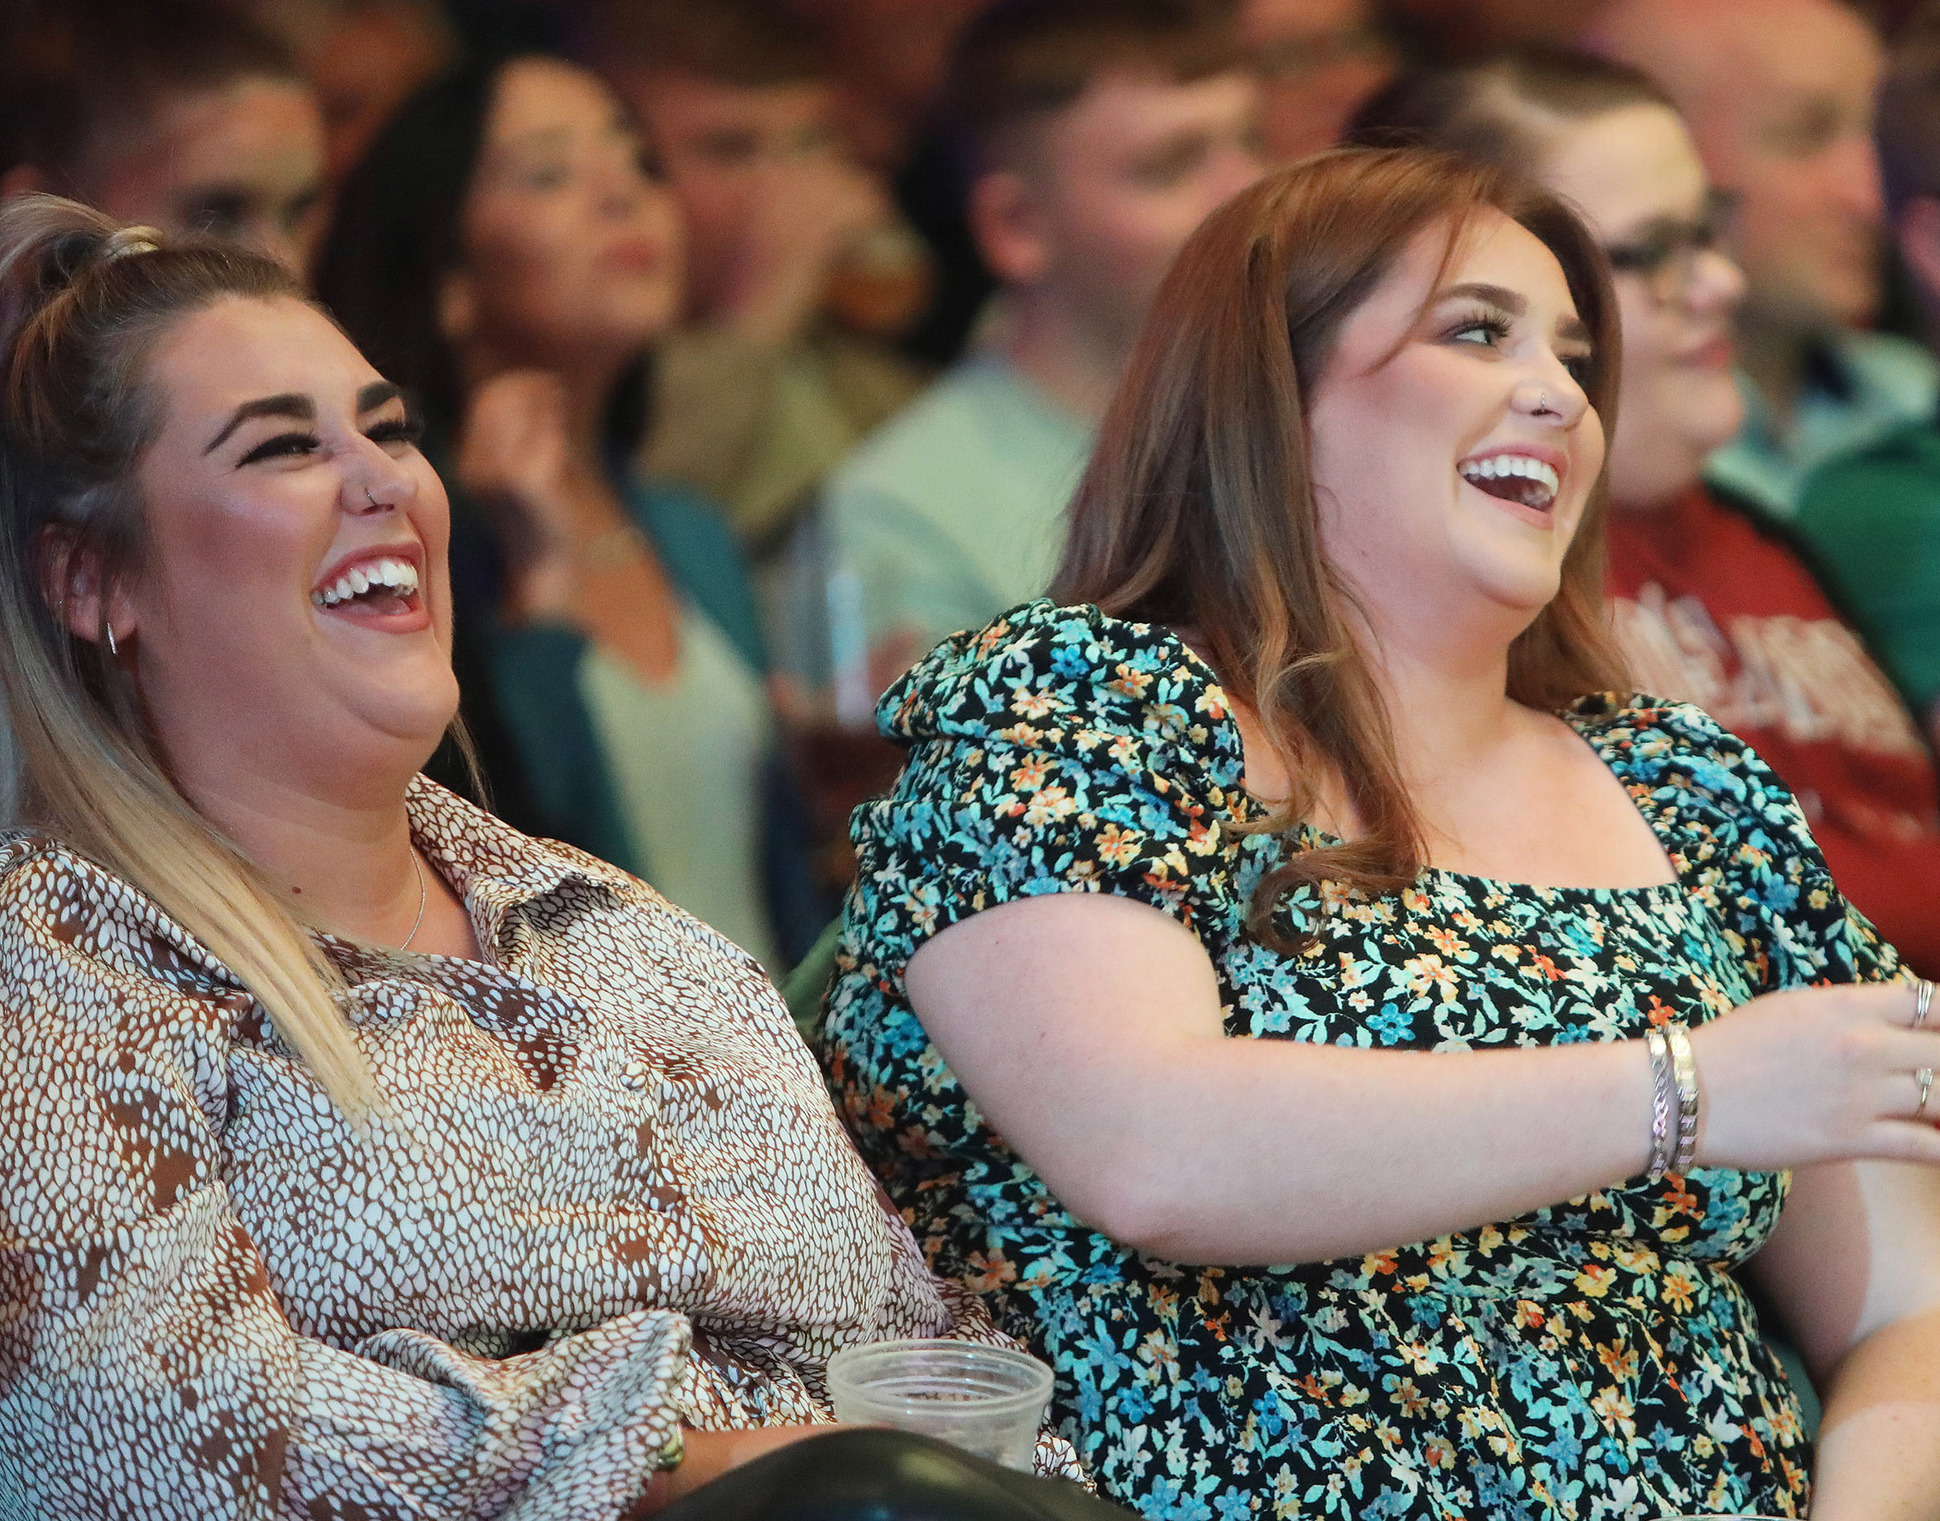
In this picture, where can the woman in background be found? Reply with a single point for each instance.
(1714, 602)
(1291, 889)
(505, 252)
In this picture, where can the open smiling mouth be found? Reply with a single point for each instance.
(1514, 478)
(374, 589)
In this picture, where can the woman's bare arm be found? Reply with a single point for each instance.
(1854, 1270)
(1088, 1029)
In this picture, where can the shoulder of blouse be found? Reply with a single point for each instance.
(48, 889)
(1042, 676)
(1652, 737)
(1705, 784)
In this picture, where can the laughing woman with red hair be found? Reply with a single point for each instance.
(1301, 885)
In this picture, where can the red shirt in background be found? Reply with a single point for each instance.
(1712, 609)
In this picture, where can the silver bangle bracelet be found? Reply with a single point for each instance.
(1684, 1065)
(1663, 1104)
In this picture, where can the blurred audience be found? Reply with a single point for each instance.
(1465, 31)
(504, 250)
(1714, 604)
(364, 58)
(1874, 515)
(1317, 60)
(181, 114)
(1102, 133)
(1779, 96)
(892, 57)
(799, 266)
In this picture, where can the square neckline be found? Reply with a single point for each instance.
(1580, 723)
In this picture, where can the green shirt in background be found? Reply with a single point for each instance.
(952, 511)
(1873, 519)
(1859, 388)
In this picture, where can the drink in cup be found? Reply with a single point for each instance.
(987, 1400)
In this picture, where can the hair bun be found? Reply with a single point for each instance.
(130, 240)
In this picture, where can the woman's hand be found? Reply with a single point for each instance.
(807, 213)
(513, 462)
(1817, 1075)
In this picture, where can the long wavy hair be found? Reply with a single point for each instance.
(1198, 508)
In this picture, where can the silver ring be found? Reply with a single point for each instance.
(1923, 1000)
(1925, 1079)
(369, 498)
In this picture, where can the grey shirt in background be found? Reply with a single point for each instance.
(948, 514)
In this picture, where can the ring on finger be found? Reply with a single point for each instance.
(1924, 1077)
(1922, 1001)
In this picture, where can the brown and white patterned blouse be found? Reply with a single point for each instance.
(614, 1198)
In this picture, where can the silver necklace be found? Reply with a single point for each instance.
(424, 897)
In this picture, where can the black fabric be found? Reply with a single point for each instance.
(870, 1474)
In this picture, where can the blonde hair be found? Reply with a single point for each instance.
(83, 302)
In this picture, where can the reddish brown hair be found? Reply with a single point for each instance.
(1198, 508)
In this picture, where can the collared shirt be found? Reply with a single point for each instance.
(611, 1196)
(1860, 387)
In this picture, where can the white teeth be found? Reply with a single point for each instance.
(398, 575)
(1512, 464)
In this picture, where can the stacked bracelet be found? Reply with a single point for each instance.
(1663, 1103)
(1674, 1101)
(1685, 1067)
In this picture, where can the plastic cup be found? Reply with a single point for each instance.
(986, 1400)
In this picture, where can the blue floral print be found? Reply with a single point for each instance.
(1590, 1361)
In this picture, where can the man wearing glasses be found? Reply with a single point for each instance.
(1779, 95)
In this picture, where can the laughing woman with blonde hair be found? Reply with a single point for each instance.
(362, 1156)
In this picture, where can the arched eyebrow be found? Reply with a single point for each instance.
(299, 408)
(1501, 297)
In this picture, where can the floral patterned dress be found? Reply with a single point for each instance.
(1595, 1359)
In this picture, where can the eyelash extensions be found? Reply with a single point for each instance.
(1582, 367)
(398, 430)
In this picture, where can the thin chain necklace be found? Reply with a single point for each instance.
(424, 897)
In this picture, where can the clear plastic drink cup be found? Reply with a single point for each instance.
(986, 1400)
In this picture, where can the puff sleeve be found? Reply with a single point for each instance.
(1746, 843)
(1058, 750)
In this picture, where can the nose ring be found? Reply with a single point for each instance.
(369, 498)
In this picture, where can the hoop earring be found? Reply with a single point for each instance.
(114, 650)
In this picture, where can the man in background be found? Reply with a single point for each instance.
(1101, 133)
(182, 115)
(1779, 94)
(799, 270)
(1873, 515)
(1317, 60)
(363, 57)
